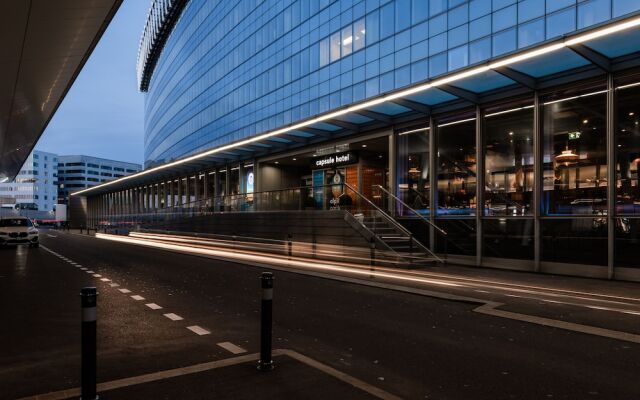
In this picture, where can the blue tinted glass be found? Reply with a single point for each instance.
(420, 32)
(458, 16)
(498, 4)
(437, 6)
(529, 9)
(504, 42)
(419, 71)
(373, 33)
(561, 22)
(358, 92)
(387, 63)
(438, 44)
(372, 87)
(553, 5)
(458, 36)
(403, 14)
(403, 57)
(403, 76)
(438, 65)
(419, 11)
(592, 12)
(372, 69)
(504, 18)
(621, 7)
(387, 47)
(420, 50)
(386, 82)
(478, 8)
(480, 27)
(386, 20)
(437, 25)
(531, 32)
(458, 58)
(403, 39)
(480, 50)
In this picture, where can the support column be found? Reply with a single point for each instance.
(187, 192)
(172, 201)
(205, 189)
(180, 192)
(196, 189)
(392, 172)
(611, 177)
(538, 187)
(479, 185)
(433, 181)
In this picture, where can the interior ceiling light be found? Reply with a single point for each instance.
(414, 170)
(566, 157)
(613, 28)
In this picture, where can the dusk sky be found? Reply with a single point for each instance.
(102, 115)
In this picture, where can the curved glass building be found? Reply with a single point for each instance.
(511, 126)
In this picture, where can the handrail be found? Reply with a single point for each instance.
(412, 210)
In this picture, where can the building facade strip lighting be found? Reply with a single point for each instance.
(546, 49)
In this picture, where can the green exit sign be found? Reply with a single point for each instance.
(574, 135)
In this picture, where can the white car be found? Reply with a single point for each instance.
(18, 230)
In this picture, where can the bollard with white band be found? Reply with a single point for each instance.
(266, 319)
(89, 297)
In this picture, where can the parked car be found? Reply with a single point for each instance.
(18, 230)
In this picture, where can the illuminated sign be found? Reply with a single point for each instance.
(333, 160)
(574, 135)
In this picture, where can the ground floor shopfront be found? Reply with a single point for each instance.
(546, 181)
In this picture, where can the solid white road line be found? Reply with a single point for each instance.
(232, 348)
(137, 297)
(125, 291)
(153, 306)
(173, 317)
(198, 330)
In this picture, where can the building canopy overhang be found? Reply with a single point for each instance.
(607, 48)
(43, 46)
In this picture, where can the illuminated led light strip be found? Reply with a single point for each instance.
(575, 97)
(628, 86)
(614, 28)
(414, 131)
(508, 111)
(456, 122)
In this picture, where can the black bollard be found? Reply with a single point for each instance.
(266, 321)
(88, 296)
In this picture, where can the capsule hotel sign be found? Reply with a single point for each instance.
(334, 160)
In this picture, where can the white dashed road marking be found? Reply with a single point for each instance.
(97, 275)
(232, 348)
(137, 297)
(173, 317)
(113, 284)
(125, 291)
(105, 279)
(84, 269)
(153, 306)
(91, 272)
(198, 330)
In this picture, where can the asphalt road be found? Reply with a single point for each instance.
(409, 345)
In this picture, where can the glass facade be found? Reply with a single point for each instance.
(231, 70)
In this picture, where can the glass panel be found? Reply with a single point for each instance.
(457, 168)
(508, 238)
(621, 7)
(575, 241)
(347, 40)
(413, 169)
(529, 9)
(359, 33)
(460, 239)
(561, 22)
(324, 52)
(420, 11)
(574, 151)
(234, 180)
(627, 241)
(335, 46)
(508, 161)
(592, 12)
(627, 150)
(387, 19)
(531, 32)
(403, 14)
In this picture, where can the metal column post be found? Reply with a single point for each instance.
(433, 181)
(392, 171)
(538, 187)
(479, 185)
(611, 177)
